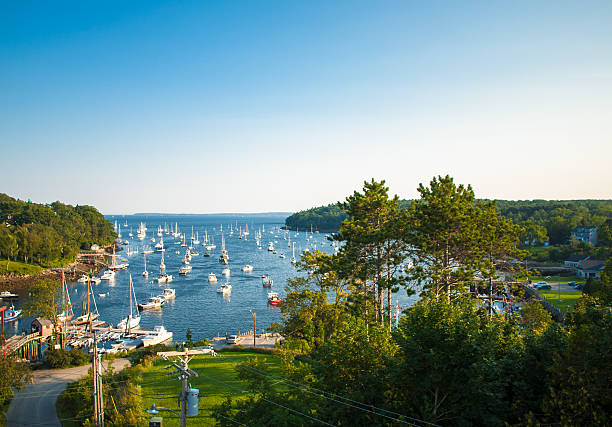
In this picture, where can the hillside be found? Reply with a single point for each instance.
(49, 234)
(556, 217)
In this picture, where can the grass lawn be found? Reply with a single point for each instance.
(568, 298)
(19, 267)
(555, 279)
(217, 379)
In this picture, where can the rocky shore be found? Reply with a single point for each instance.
(86, 263)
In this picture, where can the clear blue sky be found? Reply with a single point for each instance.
(278, 106)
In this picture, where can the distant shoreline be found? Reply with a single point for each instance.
(259, 214)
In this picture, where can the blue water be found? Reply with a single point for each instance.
(197, 304)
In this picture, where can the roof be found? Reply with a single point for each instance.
(591, 264)
(43, 321)
(577, 258)
(585, 228)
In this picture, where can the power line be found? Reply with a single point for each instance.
(338, 401)
(274, 403)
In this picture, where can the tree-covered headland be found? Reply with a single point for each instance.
(49, 234)
(452, 360)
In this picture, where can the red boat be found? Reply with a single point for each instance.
(273, 298)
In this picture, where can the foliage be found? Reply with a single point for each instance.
(582, 374)
(49, 234)
(44, 300)
(444, 233)
(325, 218)
(452, 354)
(13, 375)
(60, 358)
(122, 402)
(373, 250)
(534, 318)
(543, 220)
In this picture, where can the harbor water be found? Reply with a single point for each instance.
(198, 306)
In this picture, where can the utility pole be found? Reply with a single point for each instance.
(182, 368)
(94, 364)
(254, 331)
(97, 385)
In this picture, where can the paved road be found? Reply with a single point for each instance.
(35, 404)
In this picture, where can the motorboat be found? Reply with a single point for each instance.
(157, 336)
(212, 278)
(108, 275)
(226, 272)
(164, 278)
(271, 247)
(168, 294)
(184, 270)
(274, 299)
(226, 288)
(247, 268)
(95, 280)
(12, 314)
(267, 282)
(7, 296)
(153, 303)
(83, 279)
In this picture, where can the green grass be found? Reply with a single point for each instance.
(19, 267)
(217, 376)
(568, 298)
(555, 279)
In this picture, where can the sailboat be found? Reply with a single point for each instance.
(145, 273)
(224, 258)
(88, 316)
(132, 321)
(293, 260)
(163, 277)
(67, 314)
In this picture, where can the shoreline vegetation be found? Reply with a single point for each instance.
(547, 224)
(39, 241)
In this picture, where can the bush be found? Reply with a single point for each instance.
(58, 359)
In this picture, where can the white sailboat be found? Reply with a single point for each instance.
(89, 316)
(67, 314)
(293, 260)
(163, 277)
(132, 321)
(145, 273)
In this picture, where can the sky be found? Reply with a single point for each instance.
(258, 106)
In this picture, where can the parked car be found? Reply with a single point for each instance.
(231, 339)
(579, 286)
(572, 283)
(543, 287)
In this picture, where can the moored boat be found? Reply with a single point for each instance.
(157, 336)
(12, 314)
(274, 299)
(152, 303)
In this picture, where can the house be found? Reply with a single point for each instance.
(43, 326)
(590, 269)
(95, 247)
(574, 261)
(586, 234)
